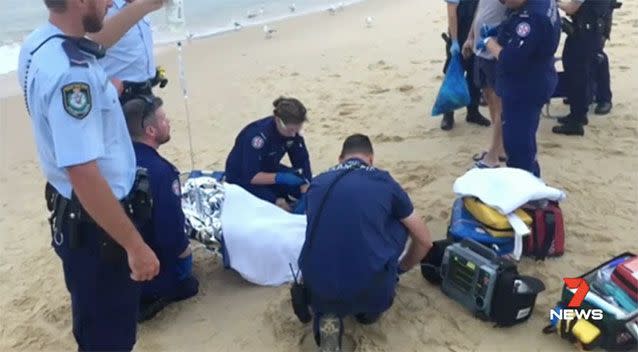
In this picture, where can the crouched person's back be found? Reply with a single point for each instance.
(356, 232)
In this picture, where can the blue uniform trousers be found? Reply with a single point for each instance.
(578, 56)
(520, 123)
(601, 77)
(370, 305)
(104, 299)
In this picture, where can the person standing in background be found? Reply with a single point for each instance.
(460, 14)
(489, 14)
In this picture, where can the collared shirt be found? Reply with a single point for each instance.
(165, 234)
(75, 112)
(259, 148)
(529, 37)
(131, 58)
(358, 233)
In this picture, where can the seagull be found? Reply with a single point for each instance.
(269, 31)
(251, 14)
(369, 21)
(332, 9)
(292, 8)
(237, 25)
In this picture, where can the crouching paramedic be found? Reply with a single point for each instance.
(359, 219)
(254, 163)
(149, 128)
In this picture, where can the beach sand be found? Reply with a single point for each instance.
(381, 81)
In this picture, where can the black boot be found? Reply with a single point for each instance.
(569, 119)
(447, 123)
(474, 116)
(603, 108)
(569, 129)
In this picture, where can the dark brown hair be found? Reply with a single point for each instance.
(139, 110)
(290, 110)
(357, 143)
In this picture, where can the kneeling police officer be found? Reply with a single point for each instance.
(359, 220)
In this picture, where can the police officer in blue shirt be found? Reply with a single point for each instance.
(130, 60)
(87, 157)
(581, 47)
(150, 128)
(526, 77)
(359, 219)
(254, 163)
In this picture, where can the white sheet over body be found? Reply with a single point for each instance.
(261, 239)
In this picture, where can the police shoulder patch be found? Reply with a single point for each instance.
(257, 142)
(523, 29)
(176, 188)
(76, 98)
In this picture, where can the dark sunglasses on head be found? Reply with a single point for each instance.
(149, 105)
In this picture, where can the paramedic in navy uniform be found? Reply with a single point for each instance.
(165, 233)
(525, 76)
(87, 157)
(254, 161)
(350, 258)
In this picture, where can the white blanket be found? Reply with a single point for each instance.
(506, 189)
(261, 239)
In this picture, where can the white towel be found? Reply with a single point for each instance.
(262, 240)
(507, 189)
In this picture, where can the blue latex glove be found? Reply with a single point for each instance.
(288, 179)
(184, 267)
(482, 45)
(487, 31)
(455, 48)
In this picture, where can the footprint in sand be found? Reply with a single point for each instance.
(294, 74)
(406, 88)
(624, 68)
(437, 61)
(550, 145)
(380, 65)
(336, 75)
(378, 90)
(416, 99)
(382, 138)
(416, 62)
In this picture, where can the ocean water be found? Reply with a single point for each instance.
(203, 18)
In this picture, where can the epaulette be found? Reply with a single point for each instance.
(75, 55)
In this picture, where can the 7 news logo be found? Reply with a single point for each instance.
(571, 312)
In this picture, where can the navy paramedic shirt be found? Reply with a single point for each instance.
(166, 233)
(259, 148)
(358, 233)
(529, 37)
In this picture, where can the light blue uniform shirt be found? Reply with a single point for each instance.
(75, 112)
(131, 58)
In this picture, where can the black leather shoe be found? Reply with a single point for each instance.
(568, 119)
(569, 129)
(477, 118)
(447, 123)
(603, 108)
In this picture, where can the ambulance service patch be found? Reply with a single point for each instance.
(76, 99)
(257, 142)
(523, 29)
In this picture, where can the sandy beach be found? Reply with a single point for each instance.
(381, 81)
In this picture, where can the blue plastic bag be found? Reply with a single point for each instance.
(454, 93)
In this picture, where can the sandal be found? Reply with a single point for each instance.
(482, 165)
(481, 155)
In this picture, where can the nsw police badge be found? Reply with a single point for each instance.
(77, 99)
